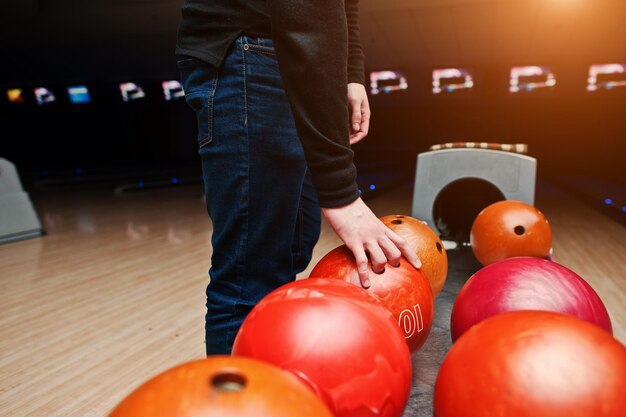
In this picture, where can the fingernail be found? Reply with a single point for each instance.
(366, 284)
(356, 126)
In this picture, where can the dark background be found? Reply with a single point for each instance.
(56, 43)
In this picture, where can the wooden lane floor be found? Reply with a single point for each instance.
(115, 293)
(111, 296)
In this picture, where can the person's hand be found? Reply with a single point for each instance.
(364, 234)
(359, 112)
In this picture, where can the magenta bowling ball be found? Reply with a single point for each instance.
(526, 284)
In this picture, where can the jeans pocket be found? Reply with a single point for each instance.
(199, 81)
(201, 104)
(261, 56)
(262, 49)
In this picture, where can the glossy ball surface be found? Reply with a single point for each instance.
(525, 284)
(222, 386)
(531, 363)
(404, 291)
(338, 339)
(510, 228)
(427, 245)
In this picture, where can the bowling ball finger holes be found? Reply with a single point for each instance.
(439, 248)
(519, 230)
(229, 382)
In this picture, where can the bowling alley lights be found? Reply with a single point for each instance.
(522, 78)
(451, 79)
(172, 90)
(612, 203)
(131, 92)
(15, 95)
(44, 96)
(79, 94)
(606, 76)
(387, 82)
(371, 187)
(528, 78)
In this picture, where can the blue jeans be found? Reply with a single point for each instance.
(259, 195)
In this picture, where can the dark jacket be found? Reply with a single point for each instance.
(318, 48)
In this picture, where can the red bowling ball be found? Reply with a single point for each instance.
(405, 291)
(525, 284)
(510, 228)
(222, 386)
(338, 339)
(533, 363)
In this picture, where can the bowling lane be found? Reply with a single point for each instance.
(115, 293)
(593, 245)
(427, 360)
(584, 240)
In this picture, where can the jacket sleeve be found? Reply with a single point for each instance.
(311, 42)
(356, 72)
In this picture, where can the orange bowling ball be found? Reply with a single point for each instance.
(223, 386)
(533, 363)
(404, 291)
(427, 244)
(510, 228)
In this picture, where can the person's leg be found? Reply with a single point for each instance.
(254, 171)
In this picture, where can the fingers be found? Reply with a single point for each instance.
(377, 257)
(359, 112)
(363, 125)
(378, 254)
(356, 137)
(362, 267)
(407, 251)
(365, 235)
(365, 117)
(392, 253)
(355, 117)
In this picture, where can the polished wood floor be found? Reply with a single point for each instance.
(115, 293)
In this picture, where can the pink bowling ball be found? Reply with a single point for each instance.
(526, 284)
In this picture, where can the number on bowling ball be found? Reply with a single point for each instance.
(401, 289)
(411, 321)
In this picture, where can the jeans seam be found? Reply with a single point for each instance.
(247, 183)
(256, 51)
(209, 118)
(210, 101)
(262, 49)
(204, 142)
(247, 214)
(245, 86)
